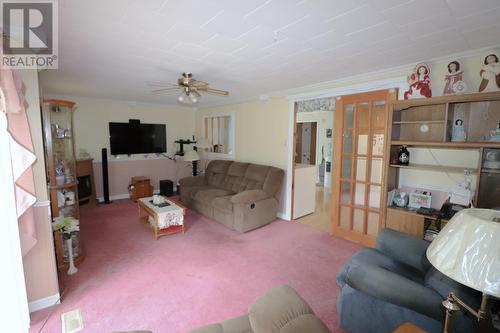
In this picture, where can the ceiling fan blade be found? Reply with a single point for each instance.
(213, 91)
(159, 91)
(160, 84)
(196, 83)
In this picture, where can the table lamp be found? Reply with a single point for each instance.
(467, 250)
(202, 145)
(193, 157)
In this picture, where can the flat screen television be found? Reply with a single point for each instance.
(137, 138)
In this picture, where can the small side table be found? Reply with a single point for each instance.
(409, 328)
(140, 188)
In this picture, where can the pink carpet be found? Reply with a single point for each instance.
(182, 281)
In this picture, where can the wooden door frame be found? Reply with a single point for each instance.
(337, 153)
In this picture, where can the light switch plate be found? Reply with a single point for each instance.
(72, 321)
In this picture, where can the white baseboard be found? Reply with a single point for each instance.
(43, 303)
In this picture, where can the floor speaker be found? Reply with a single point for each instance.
(166, 187)
(105, 179)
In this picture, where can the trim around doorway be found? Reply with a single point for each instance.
(395, 82)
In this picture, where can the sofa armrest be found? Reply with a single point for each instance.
(192, 181)
(396, 289)
(249, 196)
(404, 248)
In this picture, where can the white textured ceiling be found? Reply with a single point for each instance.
(111, 48)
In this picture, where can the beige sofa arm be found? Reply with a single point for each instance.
(192, 181)
(249, 196)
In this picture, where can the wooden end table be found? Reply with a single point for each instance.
(146, 210)
(409, 328)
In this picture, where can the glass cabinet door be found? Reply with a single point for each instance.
(359, 153)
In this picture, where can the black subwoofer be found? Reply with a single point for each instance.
(166, 187)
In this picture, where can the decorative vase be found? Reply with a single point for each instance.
(404, 156)
(72, 268)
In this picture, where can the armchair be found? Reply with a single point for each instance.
(394, 283)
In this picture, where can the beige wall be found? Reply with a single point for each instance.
(260, 130)
(91, 120)
(39, 264)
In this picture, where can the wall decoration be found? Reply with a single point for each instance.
(490, 73)
(328, 132)
(454, 83)
(420, 82)
(317, 104)
(458, 131)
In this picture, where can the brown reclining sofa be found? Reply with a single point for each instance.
(242, 196)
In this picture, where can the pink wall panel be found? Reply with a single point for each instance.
(121, 171)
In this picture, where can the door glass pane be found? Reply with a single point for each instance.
(374, 196)
(345, 193)
(358, 219)
(373, 220)
(359, 194)
(347, 145)
(376, 172)
(346, 167)
(378, 144)
(345, 216)
(363, 115)
(362, 144)
(349, 116)
(378, 114)
(361, 168)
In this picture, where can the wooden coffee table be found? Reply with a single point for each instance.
(147, 209)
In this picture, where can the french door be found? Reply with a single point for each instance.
(358, 194)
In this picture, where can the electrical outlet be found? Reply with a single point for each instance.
(72, 321)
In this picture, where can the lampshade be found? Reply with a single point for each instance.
(203, 143)
(191, 156)
(467, 250)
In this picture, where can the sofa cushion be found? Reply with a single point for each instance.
(275, 310)
(223, 204)
(369, 256)
(216, 172)
(255, 176)
(273, 181)
(206, 196)
(195, 189)
(305, 323)
(234, 176)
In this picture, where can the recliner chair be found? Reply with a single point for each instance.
(382, 288)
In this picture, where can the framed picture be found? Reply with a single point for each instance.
(328, 132)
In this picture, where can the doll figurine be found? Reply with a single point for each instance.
(420, 82)
(490, 74)
(453, 80)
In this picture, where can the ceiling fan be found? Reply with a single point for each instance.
(190, 88)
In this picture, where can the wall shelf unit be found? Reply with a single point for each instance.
(57, 116)
(427, 127)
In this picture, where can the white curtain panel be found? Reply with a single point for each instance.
(14, 313)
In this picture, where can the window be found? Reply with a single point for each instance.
(219, 130)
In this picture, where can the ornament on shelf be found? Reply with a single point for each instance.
(420, 82)
(454, 83)
(495, 134)
(458, 132)
(490, 74)
(404, 155)
(68, 226)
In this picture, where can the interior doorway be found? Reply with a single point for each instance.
(312, 156)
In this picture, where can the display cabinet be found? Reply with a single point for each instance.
(447, 137)
(57, 116)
